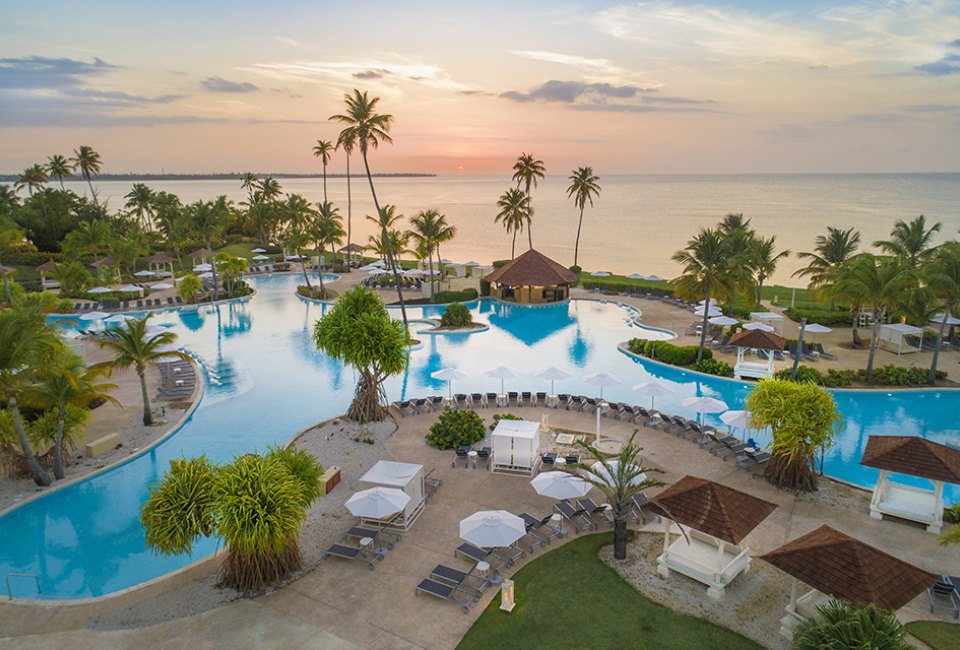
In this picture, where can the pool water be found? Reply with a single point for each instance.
(267, 381)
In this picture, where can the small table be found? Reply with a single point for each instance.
(557, 522)
(560, 462)
(472, 457)
(483, 568)
(503, 400)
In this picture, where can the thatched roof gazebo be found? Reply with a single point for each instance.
(43, 269)
(158, 260)
(837, 565)
(755, 340)
(103, 262)
(718, 518)
(532, 278)
(353, 250)
(912, 456)
(201, 254)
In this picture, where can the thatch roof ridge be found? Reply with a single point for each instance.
(758, 339)
(914, 456)
(533, 268)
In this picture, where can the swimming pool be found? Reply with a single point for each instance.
(85, 540)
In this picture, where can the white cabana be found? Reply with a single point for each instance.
(402, 476)
(516, 447)
(892, 337)
(770, 318)
(755, 339)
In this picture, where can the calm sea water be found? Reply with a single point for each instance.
(637, 222)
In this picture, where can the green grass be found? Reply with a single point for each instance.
(568, 598)
(937, 635)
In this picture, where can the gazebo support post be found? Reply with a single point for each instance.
(938, 522)
(878, 495)
(662, 567)
(713, 591)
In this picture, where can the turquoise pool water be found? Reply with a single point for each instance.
(268, 382)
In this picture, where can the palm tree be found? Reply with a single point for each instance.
(425, 230)
(584, 186)
(619, 482)
(347, 140)
(706, 270)
(67, 383)
(323, 150)
(328, 229)
(208, 223)
(367, 128)
(445, 233)
(514, 214)
(89, 163)
(133, 346)
(875, 283)
(830, 253)
(89, 238)
(844, 625)
(28, 345)
(140, 201)
(910, 241)
(34, 178)
(528, 170)
(942, 276)
(59, 167)
(10, 234)
(297, 239)
(268, 189)
(389, 216)
(248, 182)
(762, 260)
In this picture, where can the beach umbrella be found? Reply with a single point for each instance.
(377, 502)
(654, 278)
(472, 263)
(501, 373)
(94, 315)
(261, 258)
(153, 330)
(258, 250)
(160, 286)
(763, 327)
(100, 290)
(654, 389)
(603, 471)
(412, 272)
(736, 419)
(117, 319)
(144, 274)
(723, 320)
(817, 328)
(600, 274)
(560, 485)
(448, 375)
(492, 528)
(713, 303)
(602, 379)
(203, 267)
(129, 288)
(703, 404)
(552, 373)
(636, 276)
(938, 319)
(378, 271)
(712, 312)
(167, 348)
(446, 261)
(208, 274)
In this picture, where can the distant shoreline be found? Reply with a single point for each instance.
(232, 176)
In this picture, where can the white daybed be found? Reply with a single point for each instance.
(403, 476)
(908, 502)
(704, 558)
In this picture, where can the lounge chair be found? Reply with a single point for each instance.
(577, 516)
(490, 398)
(483, 455)
(824, 353)
(461, 454)
(432, 484)
(563, 401)
(139, 304)
(944, 593)
(446, 592)
(436, 402)
(460, 401)
(526, 399)
(353, 553)
(748, 460)
(575, 402)
(513, 398)
(401, 406)
(420, 405)
(532, 539)
(640, 511)
(385, 537)
(589, 403)
(494, 559)
(597, 514)
(727, 446)
(476, 400)
(539, 398)
(460, 579)
(549, 460)
(572, 458)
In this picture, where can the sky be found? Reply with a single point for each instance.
(655, 87)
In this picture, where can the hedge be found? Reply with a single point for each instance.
(455, 296)
(615, 286)
(456, 315)
(675, 355)
(713, 367)
(29, 258)
(826, 317)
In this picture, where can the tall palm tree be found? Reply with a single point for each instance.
(347, 141)
(133, 347)
(89, 238)
(706, 271)
(89, 163)
(762, 260)
(910, 241)
(584, 186)
(328, 229)
(208, 224)
(248, 182)
(59, 167)
(140, 200)
(368, 128)
(28, 346)
(942, 277)
(514, 213)
(527, 170)
(323, 150)
(830, 253)
(10, 234)
(875, 283)
(67, 383)
(389, 216)
(297, 240)
(425, 231)
(267, 189)
(34, 178)
(445, 233)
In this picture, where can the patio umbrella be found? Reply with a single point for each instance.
(937, 319)
(600, 274)
(552, 373)
(723, 320)
(601, 472)
(160, 286)
(636, 276)
(446, 261)
(817, 328)
(203, 267)
(117, 318)
(712, 312)
(258, 250)
(144, 274)
(472, 263)
(448, 375)
(736, 419)
(153, 330)
(654, 278)
(763, 327)
(94, 315)
(261, 258)
(412, 272)
(560, 485)
(501, 373)
(492, 528)
(167, 348)
(377, 271)
(129, 288)
(377, 502)
(602, 379)
(100, 290)
(703, 404)
(654, 389)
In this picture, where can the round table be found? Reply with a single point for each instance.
(472, 457)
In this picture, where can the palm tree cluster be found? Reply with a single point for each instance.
(516, 205)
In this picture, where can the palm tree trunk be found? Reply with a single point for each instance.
(530, 233)
(324, 182)
(216, 285)
(513, 247)
(875, 334)
(92, 193)
(40, 476)
(431, 276)
(6, 285)
(760, 280)
(349, 213)
(706, 318)
(932, 375)
(303, 265)
(619, 539)
(386, 242)
(62, 188)
(147, 416)
(576, 246)
(58, 444)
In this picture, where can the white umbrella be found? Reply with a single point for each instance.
(654, 278)
(602, 379)
(203, 267)
(734, 419)
(713, 303)
(472, 263)
(552, 373)
(377, 502)
(560, 485)
(712, 312)
(600, 274)
(117, 318)
(936, 319)
(208, 274)
(654, 389)
(501, 373)
(160, 286)
(100, 290)
(446, 261)
(261, 258)
(602, 472)
(129, 288)
(412, 272)
(817, 328)
(144, 274)
(703, 404)
(258, 250)
(723, 320)
(763, 327)
(94, 315)
(448, 375)
(153, 330)
(636, 276)
(492, 528)
(378, 271)
(167, 347)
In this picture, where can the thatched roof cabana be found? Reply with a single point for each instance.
(532, 278)
(755, 340)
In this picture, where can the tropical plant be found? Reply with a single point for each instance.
(189, 288)
(347, 140)
(455, 428)
(584, 186)
(875, 283)
(91, 238)
(840, 624)
(527, 170)
(367, 128)
(267, 189)
(328, 230)
(257, 504)
(132, 346)
(34, 178)
(10, 236)
(297, 239)
(88, 162)
(619, 482)
(762, 260)
(323, 150)
(59, 167)
(207, 221)
(140, 201)
(231, 269)
(942, 277)
(706, 271)
(514, 214)
(831, 252)
(428, 230)
(456, 315)
(805, 423)
(911, 242)
(359, 331)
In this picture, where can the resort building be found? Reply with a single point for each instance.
(532, 278)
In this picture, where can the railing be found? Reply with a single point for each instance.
(22, 575)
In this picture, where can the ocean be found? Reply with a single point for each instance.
(637, 222)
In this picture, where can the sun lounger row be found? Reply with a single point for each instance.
(127, 305)
(365, 544)
(584, 514)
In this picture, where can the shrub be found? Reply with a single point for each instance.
(314, 293)
(804, 374)
(484, 287)
(833, 379)
(29, 258)
(455, 296)
(713, 367)
(456, 315)
(844, 625)
(190, 287)
(456, 428)
(675, 355)
(505, 416)
(498, 263)
(282, 266)
(891, 375)
(839, 378)
(951, 514)
(576, 269)
(841, 318)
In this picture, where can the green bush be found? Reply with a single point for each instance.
(804, 374)
(836, 318)
(455, 296)
(505, 416)
(314, 293)
(484, 287)
(713, 367)
(456, 428)
(498, 263)
(675, 355)
(951, 514)
(576, 269)
(282, 266)
(839, 378)
(833, 379)
(891, 375)
(29, 258)
(456, 315)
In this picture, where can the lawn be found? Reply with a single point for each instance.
(937, 635)
(568, 598)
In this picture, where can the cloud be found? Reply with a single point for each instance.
(41, 72)
(955, 43)
(949, 64)
(931, 108)
(221, 85)
(371, 74)
(569, 92)
(393, 69)
(595, 65)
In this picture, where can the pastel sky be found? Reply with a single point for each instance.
(649, 87)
